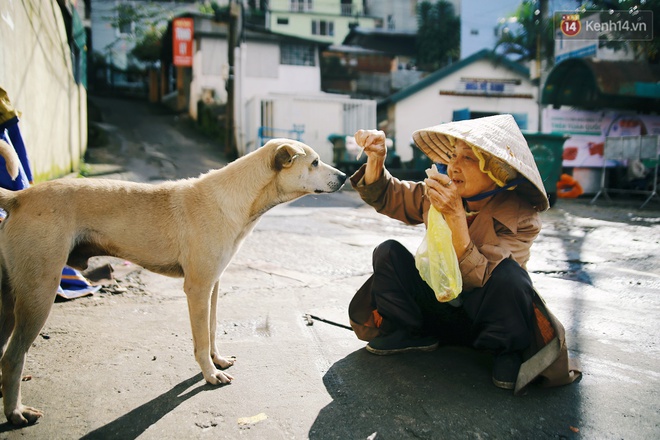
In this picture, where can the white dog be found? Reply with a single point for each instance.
(186, 228)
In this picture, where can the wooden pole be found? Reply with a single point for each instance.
(230, 135)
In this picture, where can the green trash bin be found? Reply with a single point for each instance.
(547, 149)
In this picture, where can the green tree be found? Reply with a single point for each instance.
(643, 50)
(148, 48)
(143, 24)
(527, 35)
(438, 35)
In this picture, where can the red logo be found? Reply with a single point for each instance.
(570, 24)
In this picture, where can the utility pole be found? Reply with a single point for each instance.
(230, 130)
(540, 54)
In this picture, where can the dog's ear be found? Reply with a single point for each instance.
(285, 154)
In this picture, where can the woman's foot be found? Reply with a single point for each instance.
(505, 370)
(400, 341)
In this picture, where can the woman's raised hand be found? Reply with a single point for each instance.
(373, 143)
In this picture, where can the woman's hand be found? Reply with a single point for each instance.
(373, 143)
(443, 195)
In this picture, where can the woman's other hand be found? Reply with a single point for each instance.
(444, 197)
(442, 193)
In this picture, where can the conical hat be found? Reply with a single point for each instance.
(498, 136)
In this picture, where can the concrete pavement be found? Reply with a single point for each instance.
(121, 365)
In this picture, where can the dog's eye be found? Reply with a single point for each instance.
(315, 163)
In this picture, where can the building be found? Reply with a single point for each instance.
(276, 86)
(482, 84)
(326, 21)
(371, 63)
(592, 100)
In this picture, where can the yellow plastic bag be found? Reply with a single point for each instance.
(436, 259)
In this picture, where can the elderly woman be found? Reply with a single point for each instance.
(490, 198)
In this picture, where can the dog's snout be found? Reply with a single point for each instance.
(341, 179)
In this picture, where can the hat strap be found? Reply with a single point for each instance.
(486, 194)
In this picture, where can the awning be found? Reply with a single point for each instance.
(596, 84)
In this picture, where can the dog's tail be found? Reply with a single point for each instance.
(7, 199)
(11, 159)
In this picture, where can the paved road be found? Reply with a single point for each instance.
(121, 365)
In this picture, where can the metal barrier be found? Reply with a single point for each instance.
(623, 149)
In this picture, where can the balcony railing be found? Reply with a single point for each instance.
(347, 10)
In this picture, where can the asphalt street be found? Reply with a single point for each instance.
(119, 363)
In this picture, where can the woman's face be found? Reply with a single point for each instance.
(463, 169)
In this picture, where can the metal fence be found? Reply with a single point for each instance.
(620, 151)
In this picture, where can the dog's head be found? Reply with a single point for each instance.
(299, 169)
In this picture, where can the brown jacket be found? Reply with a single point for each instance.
(505, 228)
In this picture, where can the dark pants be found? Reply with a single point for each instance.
(497, 317)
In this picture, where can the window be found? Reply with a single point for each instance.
(283, 21)
(347, 7)
(390, 22)
(322, 27)
(297, 55)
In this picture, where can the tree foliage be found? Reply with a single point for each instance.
(148, 48)
(144, 24)
(438, 35)
(521, 38)
(526, 33)
(645, 50)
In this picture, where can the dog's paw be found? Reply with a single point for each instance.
(24, 416)
(223, 362)
(218, 377)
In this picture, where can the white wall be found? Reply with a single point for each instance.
(210, 68)
(273, 77)
(36, 73)
(428, 107)
(266, 77)
(320, 115)
(292, 92)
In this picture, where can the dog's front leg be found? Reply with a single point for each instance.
(218, 360)
(199, 308)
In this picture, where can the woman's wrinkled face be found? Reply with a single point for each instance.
(463, 169)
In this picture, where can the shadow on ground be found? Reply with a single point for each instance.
(444, 394)
(137, 421)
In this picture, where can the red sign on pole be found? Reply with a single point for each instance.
(182, 41)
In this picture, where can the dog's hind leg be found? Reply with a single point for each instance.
(218, 360)
(33, 301)
(199, 308)
(6, 314)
